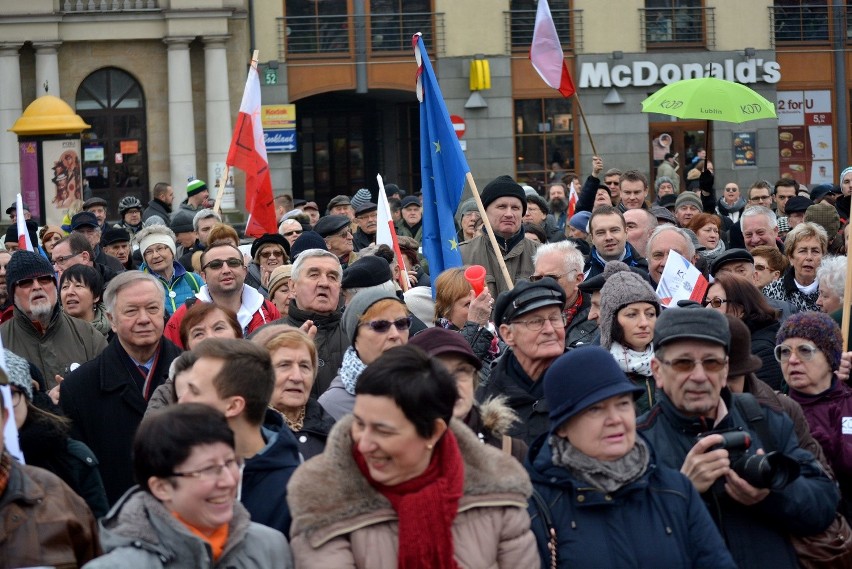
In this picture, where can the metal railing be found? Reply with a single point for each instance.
(335, 35)
(98, 6)
(677, 27)
(800, 24)
(520, 25)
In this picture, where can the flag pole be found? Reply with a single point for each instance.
(490, 232)
(217, 206)
(847, 288)
(585, 124)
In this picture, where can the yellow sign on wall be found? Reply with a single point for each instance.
(277, 117)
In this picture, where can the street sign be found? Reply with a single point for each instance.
(458, 125)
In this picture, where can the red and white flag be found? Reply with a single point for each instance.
(680, 280)
(248, 153)
(572, 200)
(24, 242)
(386, 233)
(546, 52)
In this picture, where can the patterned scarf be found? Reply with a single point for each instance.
(426, 507)
(606, 475)
(631, 360)
(572, 310)
(350, 370)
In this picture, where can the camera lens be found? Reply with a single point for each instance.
(773, 471)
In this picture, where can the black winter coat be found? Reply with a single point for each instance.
(330, 341)
(315, 430)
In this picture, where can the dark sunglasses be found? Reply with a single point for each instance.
(382, 326)
(43, 281)
(291, 233)
(217, 264)
(715, 302)
(273, 253)
(536, 278)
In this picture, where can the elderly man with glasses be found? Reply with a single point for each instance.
(224, 273)
(531, 322)
(696, 415)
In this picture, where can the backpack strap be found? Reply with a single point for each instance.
(195, 286)
(547, 518)
(753, 412)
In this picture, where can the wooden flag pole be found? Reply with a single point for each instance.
(490, 232)
(585, 124)
(847, 290)
(217, 206)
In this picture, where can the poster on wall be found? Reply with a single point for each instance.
(29, 178)
(805, 136)
(63, 181)
(745, 149)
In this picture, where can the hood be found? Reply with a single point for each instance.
(281, 450)
(251, 303)
(496, 415)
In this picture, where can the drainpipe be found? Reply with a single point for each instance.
(360, 20)
(841, 110)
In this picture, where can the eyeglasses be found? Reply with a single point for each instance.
(804, 352)
(156, 250)
(43, 281)
(292, 233)
(684, 365)
(344, 234)
(760, 199)
(62, 260)
(536, 278)
(536, 324)
(715, 302)
(272, 253)
(212, 472)
(382, 326)
(217, 264)
(613, 183)
(731, 189)
(760, 267)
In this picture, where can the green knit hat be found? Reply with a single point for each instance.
(194, 186)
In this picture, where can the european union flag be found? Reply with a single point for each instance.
(442, 168)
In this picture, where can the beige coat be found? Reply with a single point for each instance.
(340, 521)
(519, 261)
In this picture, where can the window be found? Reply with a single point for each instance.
(794, 21)
(544, 140)
(674, 23)
(522, 22)
(394, 22)
(115, 156)
(317, 27)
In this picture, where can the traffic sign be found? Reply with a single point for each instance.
(458, 125)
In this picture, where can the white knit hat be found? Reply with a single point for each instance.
(156, 234)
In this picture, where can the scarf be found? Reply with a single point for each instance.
(426, 507)
(608, 476)
(6, 470)
(101, 322)
(216, 540)
(351, 369)
(572, 310)
(631, 360)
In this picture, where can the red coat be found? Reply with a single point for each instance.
(264, 315)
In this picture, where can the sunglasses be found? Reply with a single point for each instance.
(294, 232)
(274, 253)
(43, 281)
(382, 326)
(715, 302)
(536, 278)
(804, 352)
(684, 365)
(217, 264)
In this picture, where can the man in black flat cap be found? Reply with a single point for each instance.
(505, 206)
(531, 322)
(366, 218)
(411, 224)
(336, 231)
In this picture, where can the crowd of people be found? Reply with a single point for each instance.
(185, 396)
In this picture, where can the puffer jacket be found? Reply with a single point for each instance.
(339, 520)
(658, 520)
(183, 285)
(43, 522)
(140, 532)
(518, 259)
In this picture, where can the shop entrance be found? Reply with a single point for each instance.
(684, 138)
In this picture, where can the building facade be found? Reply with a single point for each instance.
(161, 80)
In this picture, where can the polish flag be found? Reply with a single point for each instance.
(546, 52)
(572, 200)
(680, 280)
(24, 242)
(386, 233)
(248, 153)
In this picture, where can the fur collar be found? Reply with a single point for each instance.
(327, 492)
(496, 415)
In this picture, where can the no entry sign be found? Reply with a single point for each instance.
(458, 125)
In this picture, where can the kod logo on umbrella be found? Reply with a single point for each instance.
(751, 109)
(671, 104)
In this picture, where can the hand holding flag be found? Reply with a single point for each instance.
(681, 280)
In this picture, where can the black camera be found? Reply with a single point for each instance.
(772, 470)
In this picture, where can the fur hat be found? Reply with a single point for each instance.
(622, 287)
(194, 186)
(19, 373)
(25, 265)
(501, 187)
(816, 327)
(688, 197)
(359, 304)
(154, 235)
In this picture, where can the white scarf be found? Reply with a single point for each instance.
(631, 361)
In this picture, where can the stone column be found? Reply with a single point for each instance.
(182, 162)
(11, 107)
(47, 68)
(218, 108)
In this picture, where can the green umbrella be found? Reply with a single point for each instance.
(709, 98)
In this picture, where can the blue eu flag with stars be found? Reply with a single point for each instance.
(442, 168)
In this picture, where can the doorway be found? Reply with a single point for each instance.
(683, 138)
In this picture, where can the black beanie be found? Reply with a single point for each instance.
(366, 272)
(307, 240)
(25, 265)
(501, 187)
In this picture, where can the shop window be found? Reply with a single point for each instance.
(316, 27)
(522, 22)
(794, 21)
(544, 141)
(394, 22)
(676, 23)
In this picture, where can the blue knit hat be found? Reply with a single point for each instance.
(816, 327)
(569, 388)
